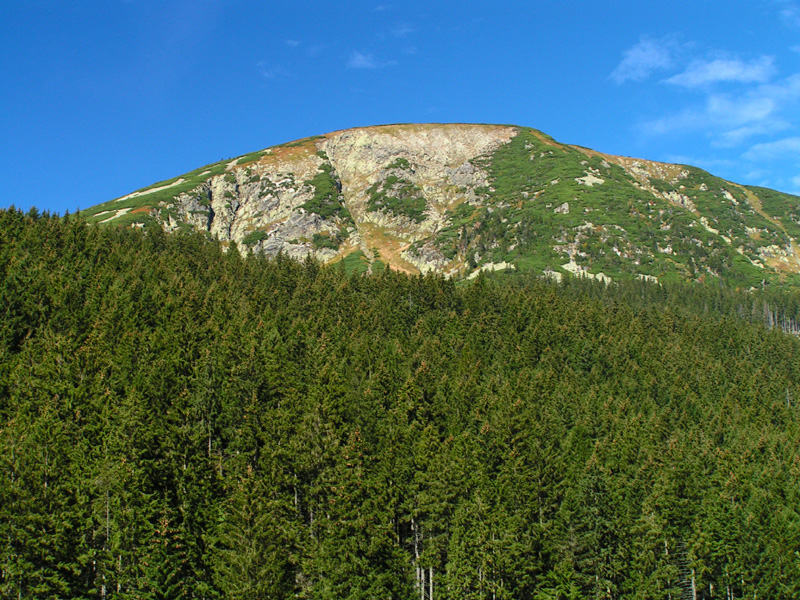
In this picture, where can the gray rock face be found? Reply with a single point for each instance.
(563, 209)
(271, 196)
(419, 198)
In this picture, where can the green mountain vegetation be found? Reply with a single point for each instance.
(457, 199)
(177, 421)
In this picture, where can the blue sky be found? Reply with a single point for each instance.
(101, 97)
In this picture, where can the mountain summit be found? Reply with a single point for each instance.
(457, 199)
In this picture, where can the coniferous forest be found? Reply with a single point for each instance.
(181, 422)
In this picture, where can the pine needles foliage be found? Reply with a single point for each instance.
(178, 422)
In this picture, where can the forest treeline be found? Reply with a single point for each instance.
(179, 422)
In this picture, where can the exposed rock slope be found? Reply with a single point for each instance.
(460, 198)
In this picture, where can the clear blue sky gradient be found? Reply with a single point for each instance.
(101, 97)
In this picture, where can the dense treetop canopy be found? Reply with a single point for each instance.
(179, 422)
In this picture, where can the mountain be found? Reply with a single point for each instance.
(457, 199)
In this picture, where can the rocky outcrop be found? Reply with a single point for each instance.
(459, 199)
(264, 205)
(435, 159)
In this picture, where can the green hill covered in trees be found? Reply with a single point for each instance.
(180, 422)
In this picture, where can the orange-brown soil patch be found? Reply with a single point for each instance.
(388, 247)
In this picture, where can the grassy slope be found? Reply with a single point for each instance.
(616, 227)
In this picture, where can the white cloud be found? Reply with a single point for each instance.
(735, 111)
(401, 30)
(702, 72)
(269, 71)
(686, 120)
(731, 119)
(786, 90)
(790, 12)
(720, 112)
(736, 136)
(785, 148)
(359, 60)
(756, 175)
(293, 43)
(314, 50)
(644, 58)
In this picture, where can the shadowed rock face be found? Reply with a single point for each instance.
(458, 198)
